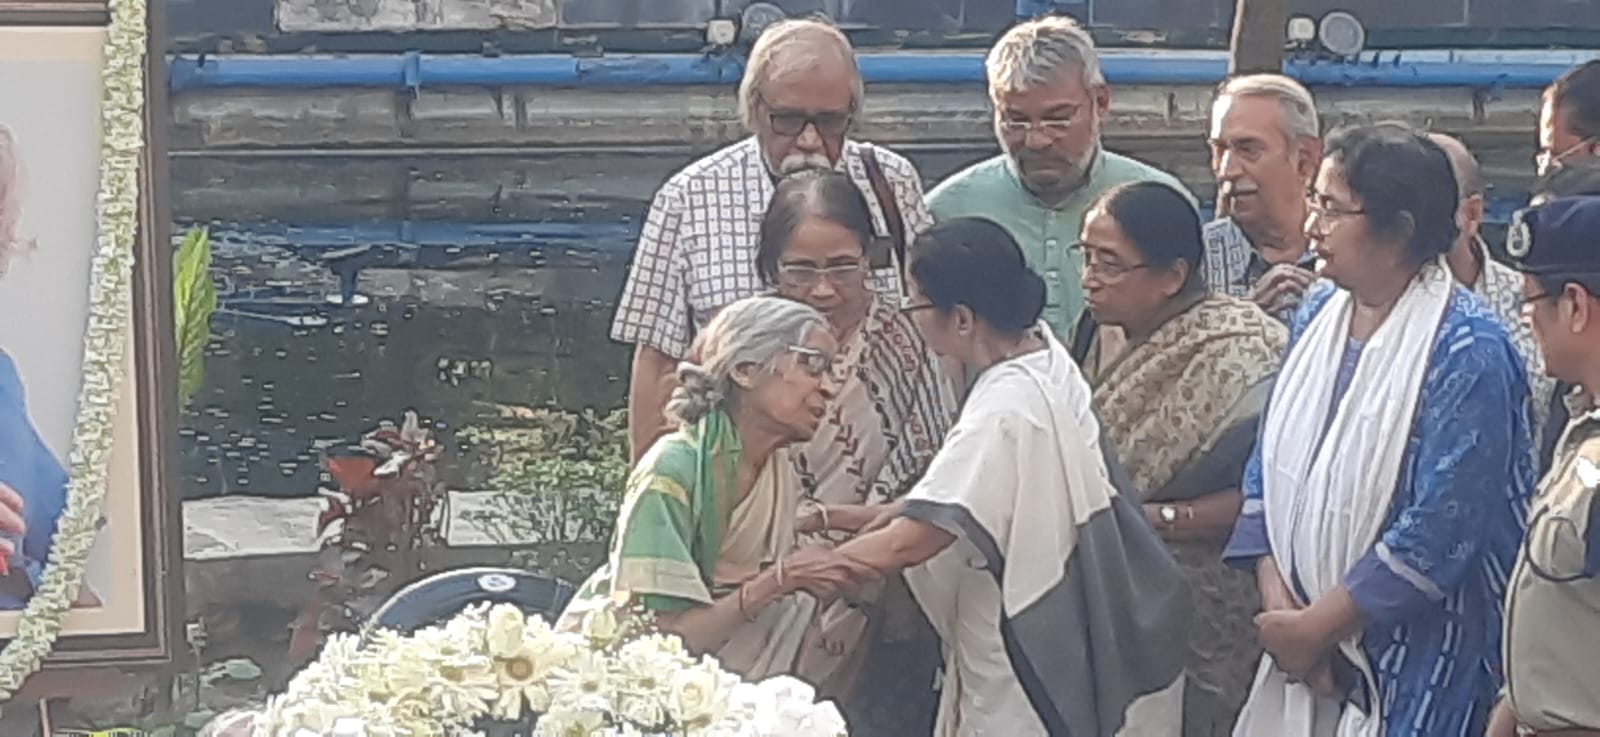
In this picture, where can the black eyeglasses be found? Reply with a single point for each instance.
(794, 122)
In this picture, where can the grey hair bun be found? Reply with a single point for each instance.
(696, 395)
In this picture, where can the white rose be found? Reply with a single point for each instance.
(566, 723)
(697, 698)
(823, 720)
(644, 710)
(506, 627)
(600, 626)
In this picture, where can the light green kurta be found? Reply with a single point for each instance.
(990, 189)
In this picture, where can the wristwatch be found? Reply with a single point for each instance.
(1168, 514)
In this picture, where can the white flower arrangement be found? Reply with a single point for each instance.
(617, 678)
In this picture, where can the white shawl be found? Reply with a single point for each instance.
(1326, 496)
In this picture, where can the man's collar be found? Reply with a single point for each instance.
(1308, 257)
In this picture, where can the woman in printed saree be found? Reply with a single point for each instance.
(892, 405)
(1386, 496)
(1180, 402)
(1061, 612)
(706, 536)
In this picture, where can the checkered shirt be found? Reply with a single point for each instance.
(697, 249)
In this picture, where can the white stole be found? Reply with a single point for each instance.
(1326, 496)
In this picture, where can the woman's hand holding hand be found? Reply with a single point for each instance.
(1321, 680)
(1275, 593)
(880, 515)
(1294, 644)
(823, 572)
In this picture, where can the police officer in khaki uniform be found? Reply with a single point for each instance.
(1552, 622)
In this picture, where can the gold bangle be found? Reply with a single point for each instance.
(743, 612)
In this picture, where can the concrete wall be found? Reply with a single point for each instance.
(513, 154)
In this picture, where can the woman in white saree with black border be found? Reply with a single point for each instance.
(1061, 611)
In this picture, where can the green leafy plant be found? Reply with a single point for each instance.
(558, 476)
(194, 300)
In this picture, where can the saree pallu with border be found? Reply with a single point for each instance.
(681, 542)
(1181, 408)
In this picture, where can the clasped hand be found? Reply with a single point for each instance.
(1286, 633)
(825, 573)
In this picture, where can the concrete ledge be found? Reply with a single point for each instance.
(230, 118)
(246, 527)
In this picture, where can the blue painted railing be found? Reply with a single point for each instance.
(415, 70)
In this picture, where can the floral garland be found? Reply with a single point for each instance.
(105, 344)
(617, 678)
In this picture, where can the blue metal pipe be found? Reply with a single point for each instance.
(414, 70)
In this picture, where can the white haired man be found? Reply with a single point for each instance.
(1266, 146)
(1050, 100)
(800, 94)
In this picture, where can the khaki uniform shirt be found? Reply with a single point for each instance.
(1552, 627)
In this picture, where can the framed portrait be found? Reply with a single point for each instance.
(87, 374)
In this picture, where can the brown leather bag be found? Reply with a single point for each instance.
(881, 257)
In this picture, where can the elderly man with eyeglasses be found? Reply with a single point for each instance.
(1050, 100)
(800, 94)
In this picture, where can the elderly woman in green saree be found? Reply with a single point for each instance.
(1180, 378)
(706, 535)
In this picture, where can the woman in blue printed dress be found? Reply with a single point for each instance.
(1386, 496)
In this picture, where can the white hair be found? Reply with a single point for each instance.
(1299, 110)
(1038, 51)
(790, 44)
(755, 330)
(11, 242)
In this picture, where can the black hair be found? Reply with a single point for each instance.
(1573, 178)
(975, 262)
(1576, 93)
(828, 195)
(1405, 185)
(1162, 225)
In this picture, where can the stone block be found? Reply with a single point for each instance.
(414, 15)
(461, 115)
(299, 189)
(229, 118)
(347, 15)
(638, 117)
